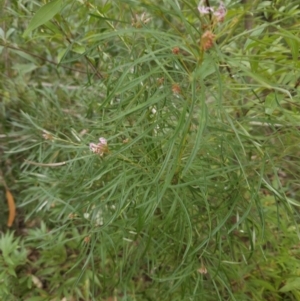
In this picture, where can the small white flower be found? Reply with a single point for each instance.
(99, 148)
(204, 10)
(103, 140)
(219, 13)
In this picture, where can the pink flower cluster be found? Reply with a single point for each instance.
(219, 14)
(101, 148)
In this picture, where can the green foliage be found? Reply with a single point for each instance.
(12, 257)
(195, 195)
(43, 15)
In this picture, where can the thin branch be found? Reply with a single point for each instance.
(85, 56)
(42, 58)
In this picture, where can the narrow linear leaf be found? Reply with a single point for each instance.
(43, 15)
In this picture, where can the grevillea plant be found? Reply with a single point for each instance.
(151, 148)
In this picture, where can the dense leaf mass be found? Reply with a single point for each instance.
(150, 150)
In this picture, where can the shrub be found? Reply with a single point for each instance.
(194, 178)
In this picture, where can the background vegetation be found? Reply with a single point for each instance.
(195, 196)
